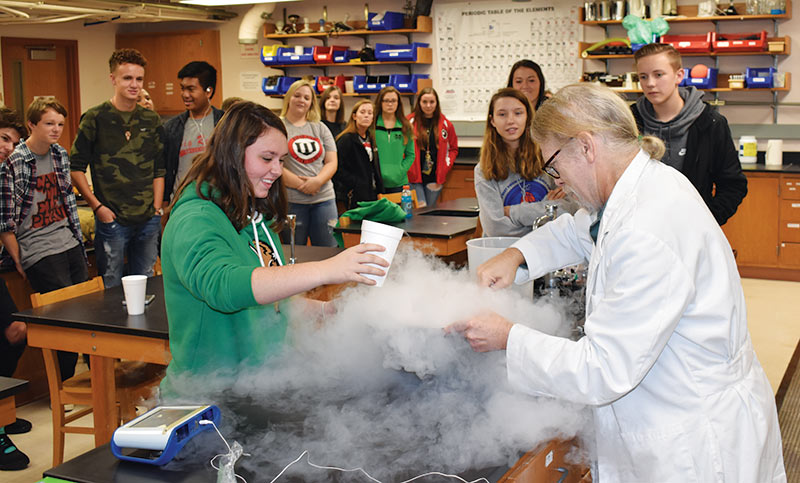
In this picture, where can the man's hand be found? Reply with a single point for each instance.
(16, 332)
(105, 215)
(486, 332)
(500, 271)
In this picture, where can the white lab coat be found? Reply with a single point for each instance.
(667, 363)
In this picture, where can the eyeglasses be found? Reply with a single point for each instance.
(548, 165)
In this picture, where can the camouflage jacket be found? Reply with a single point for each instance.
(125, 157)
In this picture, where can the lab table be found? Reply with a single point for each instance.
(432, 234)
(545, 464)
(8, 408)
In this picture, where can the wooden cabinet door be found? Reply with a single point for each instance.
(753, 230)
(166, 53)
(460, 183)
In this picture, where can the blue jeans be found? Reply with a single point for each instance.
(425, 194)
(316, 221)
(112, 242)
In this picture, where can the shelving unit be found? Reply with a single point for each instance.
(688, 14)
(424, 54)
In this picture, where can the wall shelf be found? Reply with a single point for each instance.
(424, 57)
(424, 26)
(787, 50)
(722, 83)
(688, 14)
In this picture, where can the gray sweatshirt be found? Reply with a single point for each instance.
(526, 199)
(675, 131)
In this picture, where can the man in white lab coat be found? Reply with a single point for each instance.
(666, 362)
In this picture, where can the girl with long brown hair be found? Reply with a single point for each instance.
(509, 180)
(225, 275)
(435, 147)
(358, 177)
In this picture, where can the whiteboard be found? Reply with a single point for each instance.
(477, 43)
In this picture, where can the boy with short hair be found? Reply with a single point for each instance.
(124, 144)
(698, 139)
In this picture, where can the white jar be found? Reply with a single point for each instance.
(748, 148)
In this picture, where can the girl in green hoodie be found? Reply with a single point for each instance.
(225, 277)
(393, 139)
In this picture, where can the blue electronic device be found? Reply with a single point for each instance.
(161, 432)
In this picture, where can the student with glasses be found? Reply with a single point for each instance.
(510, 183)
(666, 364)
(394, 139)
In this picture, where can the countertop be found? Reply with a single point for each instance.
(763, 168)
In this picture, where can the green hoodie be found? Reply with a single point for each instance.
(214, 320)
(395, 157)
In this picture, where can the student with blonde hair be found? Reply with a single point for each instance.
(359, 175)
(309, 167)
(511, 187)
(666, 363)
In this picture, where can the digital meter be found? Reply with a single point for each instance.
(163, 431)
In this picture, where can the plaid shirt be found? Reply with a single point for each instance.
(17, 175)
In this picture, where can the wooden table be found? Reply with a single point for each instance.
(99, 325)
(8, 408)
(433, 234)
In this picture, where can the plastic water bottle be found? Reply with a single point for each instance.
(406, 202)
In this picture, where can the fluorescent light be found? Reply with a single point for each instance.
(222, 3)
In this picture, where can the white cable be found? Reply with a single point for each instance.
(205, 422)
(308, 460)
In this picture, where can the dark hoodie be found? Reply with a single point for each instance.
(700, 146)
(675, 131)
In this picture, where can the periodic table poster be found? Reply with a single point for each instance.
(477, 43)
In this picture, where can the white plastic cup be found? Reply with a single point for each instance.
(135, 287)
(480, 250)
(385, 235)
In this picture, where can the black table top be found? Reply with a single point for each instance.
(420, 225)
(101, 466)
(10, 386)
(763, 168)
(459, 207)
(104, 312)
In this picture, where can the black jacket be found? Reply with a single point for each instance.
(172, 147)
(712, 163)
(355, 174)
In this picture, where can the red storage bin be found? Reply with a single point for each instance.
(690, 43)
(752, 42)
(323, 82)
(324, 55)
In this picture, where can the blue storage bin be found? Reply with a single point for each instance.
(406, 82)
(272, 86)
(707, 82)
(755, 78)
(385, 21)
(287, 55)
(367, 84)
(399, 52)
(344, 55)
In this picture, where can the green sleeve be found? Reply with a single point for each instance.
(81, 153)
(205, 261)
(408, 155)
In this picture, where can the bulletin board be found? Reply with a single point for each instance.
(477, 43)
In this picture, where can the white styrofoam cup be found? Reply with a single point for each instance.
(384, 235)
(135, 287)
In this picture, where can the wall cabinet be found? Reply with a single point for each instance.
(765, 231)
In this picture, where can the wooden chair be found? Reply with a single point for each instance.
(395, 197)
(133, 380)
